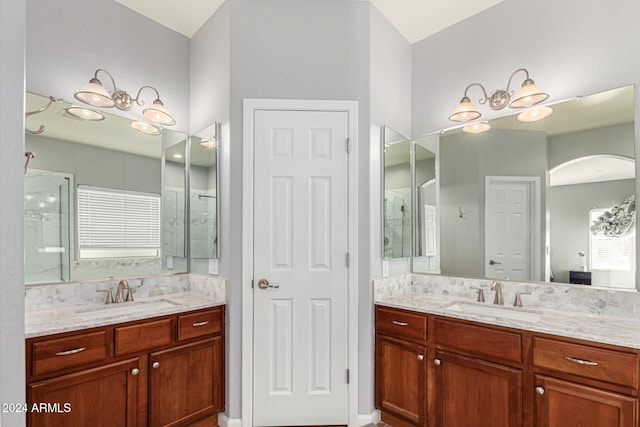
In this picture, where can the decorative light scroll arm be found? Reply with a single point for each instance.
(137, 98)
(510, 92)
(113, 82)
(481, 101)
(40, 110)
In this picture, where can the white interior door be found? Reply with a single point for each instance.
(510, 224)
(300, 292)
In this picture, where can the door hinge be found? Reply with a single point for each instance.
(347, 376)
(348, 145)
(348, 259)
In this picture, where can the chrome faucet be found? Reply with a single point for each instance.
(495, 286)
(122, 285)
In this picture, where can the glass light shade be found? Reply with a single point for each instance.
(528, 95)
(158, 113)
(477, 127)
(143, 127)
(465, 111)
(93, 93)
(85, 113)
(534, 114)
(207, 142)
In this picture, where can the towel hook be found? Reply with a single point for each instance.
(31, 113)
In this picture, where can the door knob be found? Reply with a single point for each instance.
(155, 365)
(540, 390)
(264, 284)
(492, 262)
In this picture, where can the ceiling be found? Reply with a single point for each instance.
(414, 19)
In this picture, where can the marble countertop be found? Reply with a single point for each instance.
(622, 331)
(72, 318)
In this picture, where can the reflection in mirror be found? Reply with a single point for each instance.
(174, 203)
(397, 194)
(81, 172)
(426, 194)
(519, 200)
(203, 180)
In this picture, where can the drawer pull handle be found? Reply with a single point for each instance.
(155, 365)
(580, 361)
(421, 357)
(206, 322)
(540, 390)
(135, 371)
(72, 351)
(437, 362)
(395, 322)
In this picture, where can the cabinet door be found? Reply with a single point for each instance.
(104, 396)
(476, 393)
(561, 403)
(185, 383)
(401, 379)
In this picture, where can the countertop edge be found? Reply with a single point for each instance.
(617, 331)
(52, 321)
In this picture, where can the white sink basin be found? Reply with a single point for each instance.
(495, 311)
(111, 310)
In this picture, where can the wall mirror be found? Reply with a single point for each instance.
(175, 205)
(88, 177)
(426, 194)
(396, 206)
(519, 200)
(203, 194)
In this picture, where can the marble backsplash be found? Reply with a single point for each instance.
(38, 297)
(555, 296)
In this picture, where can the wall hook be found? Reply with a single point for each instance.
(31, 113)
(460, 211)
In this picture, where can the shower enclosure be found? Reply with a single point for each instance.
(47, 230)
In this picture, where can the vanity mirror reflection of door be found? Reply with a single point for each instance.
(396, 206)
(203, 189)
(584, 157)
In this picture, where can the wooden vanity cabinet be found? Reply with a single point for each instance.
(166, 371)
(401, 367)
(475, 386)
(583, 384)
(479, 375)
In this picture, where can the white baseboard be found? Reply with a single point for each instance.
(224, 421)
(372, 418)
(363, 420)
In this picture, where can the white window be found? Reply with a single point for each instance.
(117, 223)
(610, 253)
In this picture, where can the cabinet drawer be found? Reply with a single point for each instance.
(143, 336)
(401, 324)
(479, 341)
(198, 324)
(59, 353)
(592, 362)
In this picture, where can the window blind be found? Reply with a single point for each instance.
(610, 253)
(117, 223)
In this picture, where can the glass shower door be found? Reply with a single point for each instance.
(47, 226)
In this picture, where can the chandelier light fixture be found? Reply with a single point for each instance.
(94, 93)
(528, 95)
